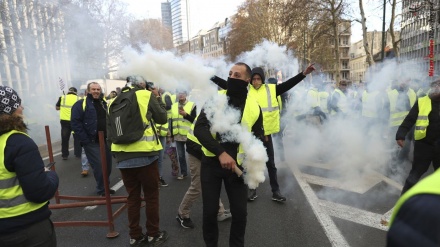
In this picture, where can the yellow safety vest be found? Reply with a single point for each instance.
(323, 96)
(428, 185)
(396, 118)
(162, 129)
(422, 121)
(267, 100)
(312, 98)
(181, 126)
(67, 101)
(149, 142)
(12, 200)
(251, 113)
(369, 104)
(191, 135)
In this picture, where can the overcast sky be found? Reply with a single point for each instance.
(212, 11)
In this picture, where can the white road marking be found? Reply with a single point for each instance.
(115, 187)
(388, 180)
(334, 235)
(356, 185)
(353, 214)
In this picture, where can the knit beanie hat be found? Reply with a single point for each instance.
(9, 100)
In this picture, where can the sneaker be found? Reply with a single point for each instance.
(64, 158)
(276, 196)
(226, 215)
(159, 239)
(185, 222)
(162, 182)
(252, 195)
(84, 173)
(141, 241)
(180, 177)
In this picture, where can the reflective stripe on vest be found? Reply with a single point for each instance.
(162, 129)
(12, 200)
(251, 113)
(67, 101)
(149, 142)
(181, 126)
(422, 121)
(428, 185)
(190, 134)
(268, 102)
(396, 118)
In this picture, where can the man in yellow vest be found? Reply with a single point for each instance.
(183, 114)
(169, 147)
(416, 217)
(266, 96)
(137, 163)
(26, 186)
(425, 115)
(338, 102)
(64, 105)
(220, 158)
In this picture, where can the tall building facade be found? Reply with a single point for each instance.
(180, 12)
(166, 14)
(420, 34)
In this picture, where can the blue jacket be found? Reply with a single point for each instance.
(85, 122)
(23, 158)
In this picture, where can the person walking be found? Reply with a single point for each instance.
(88, 118)
(26, 186)
(183, 113)
(194, 150)
(220, 159)
(137, 163)
(64, 105)
(425, 115)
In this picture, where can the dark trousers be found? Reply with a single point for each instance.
(182, 157)
(212, 175)
(424, 154)
(93, 154)
(270, 164)
(66, 131)
(146, 179)
(40, 234)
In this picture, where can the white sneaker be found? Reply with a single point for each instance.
(226, 215)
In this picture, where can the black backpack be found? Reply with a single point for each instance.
(124, 121)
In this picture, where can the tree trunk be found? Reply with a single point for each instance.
(393, 37)
(370, 59)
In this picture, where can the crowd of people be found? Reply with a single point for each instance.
(173, 125)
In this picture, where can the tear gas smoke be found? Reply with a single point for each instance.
(225, 120)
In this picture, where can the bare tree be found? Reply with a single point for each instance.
(394, 41)
(150, 31)
(363, 21)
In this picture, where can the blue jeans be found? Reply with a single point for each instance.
(182, 157)
(94, 156)
(84, 162)
(163, 141)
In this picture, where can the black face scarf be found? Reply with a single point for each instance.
(237, 91)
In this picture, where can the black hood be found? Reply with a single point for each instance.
(258, 70)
